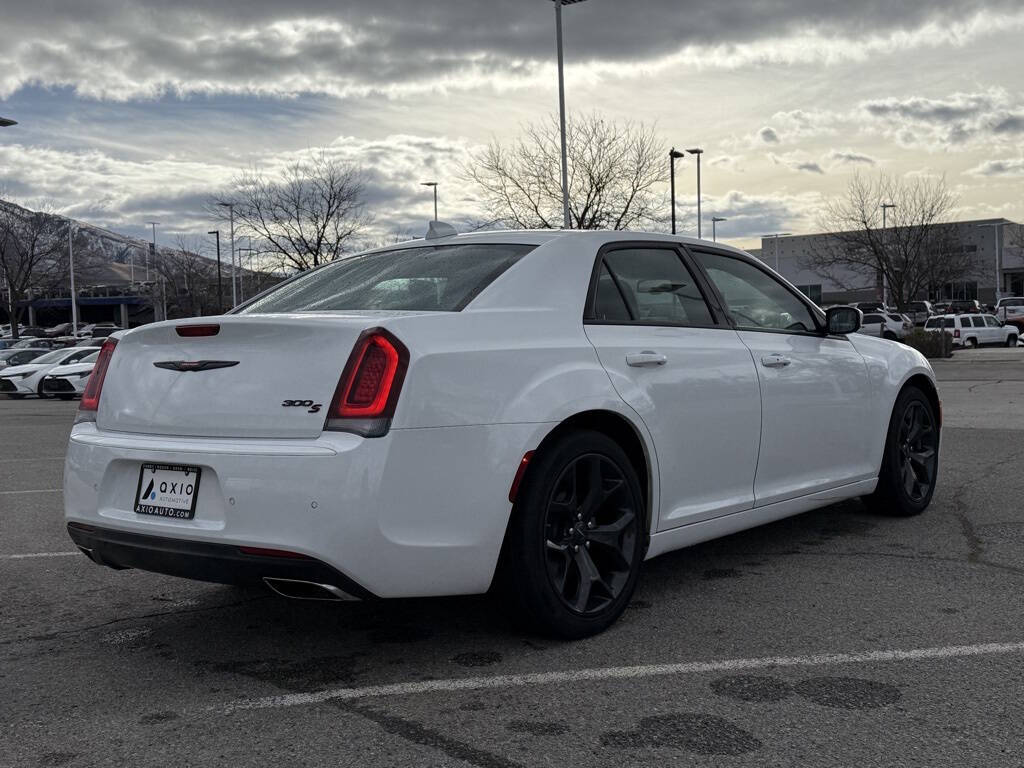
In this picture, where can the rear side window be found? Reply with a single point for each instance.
(1012, 303)
(949, 322)
(439, 278)
(609, 305)
(872, 319)
(979, 322)
(935, 322)
(656, 286)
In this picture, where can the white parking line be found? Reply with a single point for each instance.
(37, 458)
(622, 673)
(38, 554)
(36, 490)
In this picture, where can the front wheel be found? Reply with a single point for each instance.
(910, 463)
(1011, 341)
(577, 537)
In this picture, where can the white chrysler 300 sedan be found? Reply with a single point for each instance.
(534, 411)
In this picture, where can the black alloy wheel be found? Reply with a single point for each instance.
(590, 534)
(919, 451)
(910, 464)
(577, 536)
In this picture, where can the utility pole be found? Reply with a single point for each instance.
(698, 152)
(220, 285)
(426, 184)
(885, 241)
(714, 231)
(152, 249)
(231, 211)
(566, 222)
(673, 155)
(74, 295)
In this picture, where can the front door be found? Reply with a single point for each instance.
(686, 373)
(816, 424)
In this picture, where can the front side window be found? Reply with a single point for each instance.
(756, 300)
(657, 287)
(51, 357)
(438, 278)
(991, 322)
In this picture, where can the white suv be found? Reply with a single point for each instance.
(888, 325)
(974, 330)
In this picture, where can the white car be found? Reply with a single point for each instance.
(888, 325)
(17, 381)
(1011, 310)
(67, 381)
(541, 411)
(974, 330)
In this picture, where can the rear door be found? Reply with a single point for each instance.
(672, 357)
(817, 407)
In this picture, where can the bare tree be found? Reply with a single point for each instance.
(33, 254)
(616, 173)
(915, 252)
(306, 216)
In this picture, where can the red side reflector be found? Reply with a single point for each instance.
(94, 387)
(262, 552)
(514, 490)
(189, 331)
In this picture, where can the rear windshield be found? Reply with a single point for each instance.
(437, 278)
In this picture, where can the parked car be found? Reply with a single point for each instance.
(34, 342)
(885, 325)
(17, 381)
(89, 342)
(1011, 310)
(496, 421)
(102, 330)
(8, 342)
(33, 330)
(920, 311)
(869, 306)
(975, 330)
(61, 329)
(10, 357)
(961, 306)
(68, 381)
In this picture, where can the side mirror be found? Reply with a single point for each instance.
(843, 320)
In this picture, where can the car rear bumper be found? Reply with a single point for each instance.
(418, 512)
(204, 561)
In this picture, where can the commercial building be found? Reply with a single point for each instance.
(793, 257)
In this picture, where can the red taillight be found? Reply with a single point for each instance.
(94, 387)
(190, 331)
(368, 390)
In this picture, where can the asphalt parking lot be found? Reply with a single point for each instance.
(836, 638)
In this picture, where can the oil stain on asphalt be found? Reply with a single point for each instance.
(698, 733)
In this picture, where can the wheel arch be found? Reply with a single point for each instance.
(926, 385)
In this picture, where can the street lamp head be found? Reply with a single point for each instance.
(428, 183)
(568, 2)
(696, 151)
(7, 122)
(225, 205)
(213, 232)
(888, 205)
(675, 154)
(719, 218)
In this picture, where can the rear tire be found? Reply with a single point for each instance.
(971, 343)
(910, 464)
(577, 537)
(42, 395)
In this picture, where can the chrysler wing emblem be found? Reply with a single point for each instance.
(195, 365)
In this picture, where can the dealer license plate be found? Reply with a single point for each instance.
(167, 490)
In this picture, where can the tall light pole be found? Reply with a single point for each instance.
(231, 212)
(152, 248)
(885, 240)
(673, 155)
(220, 285)
(241, 280)
(776, 236)
(74, 295)
(998, 227)
(434, 185)
(714, 232)
(698, 152)
(561, 110)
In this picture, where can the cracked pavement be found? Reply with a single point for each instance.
(105, 668)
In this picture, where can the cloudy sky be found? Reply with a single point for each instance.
(130, 111)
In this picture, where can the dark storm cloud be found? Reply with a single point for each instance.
(809, 167)
(768, 135)
(125, 49)
(1011, 167)
(851, 158)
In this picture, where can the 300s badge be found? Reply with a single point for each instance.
(313, 407)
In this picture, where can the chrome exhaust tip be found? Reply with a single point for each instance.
(296, 589)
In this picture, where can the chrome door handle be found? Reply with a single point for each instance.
(647, 357)
(775, 361)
